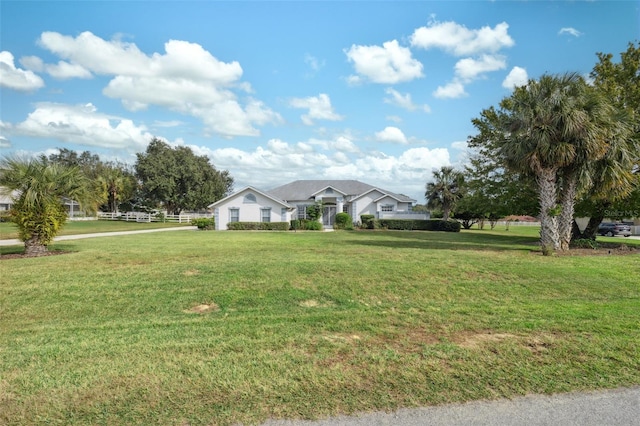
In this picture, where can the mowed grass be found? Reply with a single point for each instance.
(9, 231)
(217, 328)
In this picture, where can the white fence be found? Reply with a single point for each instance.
(152, 217)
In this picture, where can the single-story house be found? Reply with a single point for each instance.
(290, 201)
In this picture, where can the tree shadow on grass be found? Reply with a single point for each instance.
(446, 241)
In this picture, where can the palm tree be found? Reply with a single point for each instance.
(115, 186)
(554, 128)
(38, 209)
(445, 190)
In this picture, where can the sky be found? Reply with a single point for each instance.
(274, 91)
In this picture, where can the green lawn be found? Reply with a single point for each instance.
(305, 325)
(9, 231)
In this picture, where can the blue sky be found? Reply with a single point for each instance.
(383, 92)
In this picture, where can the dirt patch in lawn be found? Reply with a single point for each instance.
(203, 308)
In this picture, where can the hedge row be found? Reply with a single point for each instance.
(258, 226)
(306, 225)
(411, 224)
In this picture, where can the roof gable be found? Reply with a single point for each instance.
(244, 191)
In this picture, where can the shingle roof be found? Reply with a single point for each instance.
(304, 189)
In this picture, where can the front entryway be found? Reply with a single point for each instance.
(328, 216)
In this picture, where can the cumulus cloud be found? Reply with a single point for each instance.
(191, 79)
(16, 78)
(569, 31)
(452, 90)
(517, 77)
(469, 69)
(458, 40)
(83, 125)
(319, 108)
(403, 101)
(391, 134)
(386, 64)
(279, 162)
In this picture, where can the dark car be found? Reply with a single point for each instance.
(612, 229)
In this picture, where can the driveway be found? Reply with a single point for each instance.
(618, 407)
(102, 234)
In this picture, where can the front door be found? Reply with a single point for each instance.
(328, 216)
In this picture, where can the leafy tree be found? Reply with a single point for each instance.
(39, 210)
(177, 179)
(445, 190)
(554, 129)
(112, 181)
(616, 179)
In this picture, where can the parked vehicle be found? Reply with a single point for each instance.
(611, 229)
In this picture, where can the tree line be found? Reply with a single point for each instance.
(560, 147)
(163, 177)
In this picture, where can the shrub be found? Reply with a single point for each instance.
(313, 225)
(418, 225)
(367, 221)
(204, 224)
(258, 226)
(343, 221)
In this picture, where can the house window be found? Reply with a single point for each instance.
(265, 215)
(345, 208)
(249, 198)
(302, 211)
(234, 215)
(328, 191)
(387, 208)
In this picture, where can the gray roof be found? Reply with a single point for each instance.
(305, 189)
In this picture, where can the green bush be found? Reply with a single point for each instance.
(343, 221)
(305, 225)
(204, 224)
(416, 225)
(368, 221)
(258, 226)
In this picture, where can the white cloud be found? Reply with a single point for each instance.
(319, 108)
(569, 31)
(63, 70)
(32, 63)
(83, 125)
(517, 77)
(185, 78)
(281, 162)
(394, 118)
(403, 101)
(391, 134)
(16, 78)
(459, 40)
(469, 69)
(389, 64)
(455, 89)
(314, 63)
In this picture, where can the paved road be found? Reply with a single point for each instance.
(102, 234)
(618, 407)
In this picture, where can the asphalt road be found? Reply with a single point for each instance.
(618, 407)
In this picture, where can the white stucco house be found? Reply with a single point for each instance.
(287, 202)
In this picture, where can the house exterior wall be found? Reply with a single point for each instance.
(250, 205)
(366, 205)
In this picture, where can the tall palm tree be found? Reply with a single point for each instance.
(38, 209)
(445, 190)
(554, 128)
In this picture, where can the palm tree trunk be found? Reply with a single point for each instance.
(549, 236)
(568, 201)
(33, 247)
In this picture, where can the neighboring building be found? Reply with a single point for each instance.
(290, 201)
(6, 202)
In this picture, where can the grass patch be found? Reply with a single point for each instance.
(237, 327)
(9, 231)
